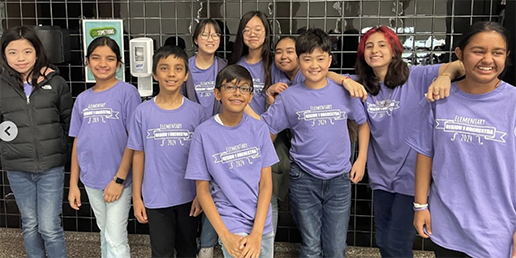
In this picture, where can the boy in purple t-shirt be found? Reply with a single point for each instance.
(234, 153)
(160, 133)
(317, 111)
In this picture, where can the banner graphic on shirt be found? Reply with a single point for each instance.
(205, 89)
(382, 108)
(237, 155)
(170, 137)
(478, 130)
(96, 113)
(320, 115)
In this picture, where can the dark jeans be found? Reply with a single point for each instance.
(173, 228)
(441, 252)
(321, 210)
(393, 219)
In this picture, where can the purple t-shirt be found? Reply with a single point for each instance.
(232, 158)
(204, 83)
(318, 120)
(27, 88)
(280, 76)
(390, 162)
(256, 71)
(472, 140)
(100, 121)
(165, 137)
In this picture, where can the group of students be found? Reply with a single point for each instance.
(443, 163)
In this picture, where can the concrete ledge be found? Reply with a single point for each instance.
(84, 244)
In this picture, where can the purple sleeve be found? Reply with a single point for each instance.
(276, 116)
(76, 120)
(135, 141)
(132, 100)
(197, 169)
(423, 76)
(421, 131)
(269, 155)
(357, 111)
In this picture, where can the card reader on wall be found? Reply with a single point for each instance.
(140, 53)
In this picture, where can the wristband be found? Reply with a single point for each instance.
(445, 74)
(420, 207)
(345, 78)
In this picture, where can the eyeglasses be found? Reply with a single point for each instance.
(257, 32)
(244, 89)
(214, 36)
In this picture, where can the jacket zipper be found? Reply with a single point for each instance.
(33, 133)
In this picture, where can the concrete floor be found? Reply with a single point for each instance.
(82, 245)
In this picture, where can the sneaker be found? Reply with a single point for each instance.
(206, 252)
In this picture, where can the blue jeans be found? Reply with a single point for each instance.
(393, 218)
(266, 250)
(321, 210)
(39, 197)
(208, 234)
(112, 219)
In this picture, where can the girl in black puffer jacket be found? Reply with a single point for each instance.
(38, 102)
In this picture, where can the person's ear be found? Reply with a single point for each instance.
(216, 94)
(458, 53)
(250, 98)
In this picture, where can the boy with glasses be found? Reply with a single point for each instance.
(233, 153)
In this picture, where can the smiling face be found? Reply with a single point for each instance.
(314, 66)
(208, 40)
(170, 73)
(103, 63)
(254, 33)
(378, 52)
(285, 56)
(236, 101)
(484, 57)
(21, 56)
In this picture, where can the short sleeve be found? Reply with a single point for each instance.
(197, 168)
(422, 76)
(136, 135)
(357, 111)
(132, 101)
(421, 131)
(76, 120)
(269, 156)
(276, 116)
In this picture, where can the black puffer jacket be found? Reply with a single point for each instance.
(42, 120)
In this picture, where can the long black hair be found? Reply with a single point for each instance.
(240, 49)
(24, 32)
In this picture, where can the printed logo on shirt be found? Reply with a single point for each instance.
(468, 129)
(382, 108)
(98, 113)
(46, 87)
(237, 155)
(258, 85)
(205, 89)
(170, 134)
(321, 115)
